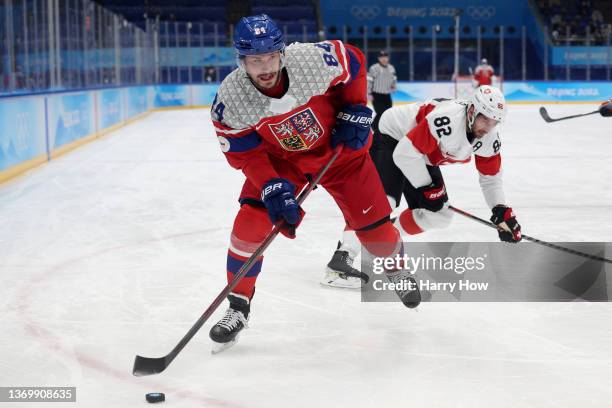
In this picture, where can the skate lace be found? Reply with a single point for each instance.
(398, 277)
(347, 259)
(231, 319)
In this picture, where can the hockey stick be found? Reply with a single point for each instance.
(548, 119)
(151, 365)
(537, 241)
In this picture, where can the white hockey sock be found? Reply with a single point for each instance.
(350, 243)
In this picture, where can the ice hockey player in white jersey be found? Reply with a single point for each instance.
(423, 136)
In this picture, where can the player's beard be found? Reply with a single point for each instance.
(480, 133)
(267, 80)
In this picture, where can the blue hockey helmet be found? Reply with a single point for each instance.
(257, 35)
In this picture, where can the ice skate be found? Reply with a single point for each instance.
(226, 332)
(406, 287)
(340, 272)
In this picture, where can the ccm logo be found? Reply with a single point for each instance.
(269, 189)
(437, 194)
(347, 117)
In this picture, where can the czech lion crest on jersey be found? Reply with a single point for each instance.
(299, 131)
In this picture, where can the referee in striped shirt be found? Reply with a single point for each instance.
(381, 83)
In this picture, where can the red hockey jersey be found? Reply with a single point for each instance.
(254, 129)
(483, 74)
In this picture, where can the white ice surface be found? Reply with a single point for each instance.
(115, 250)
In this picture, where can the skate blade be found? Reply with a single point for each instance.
(332, 279)
(220, 347)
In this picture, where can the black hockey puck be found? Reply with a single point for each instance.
(154, 397)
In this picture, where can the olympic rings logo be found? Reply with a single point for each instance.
(481, 13)
(365, 12)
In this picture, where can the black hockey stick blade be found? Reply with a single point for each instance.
(149, 365)
(548, 119)
(544, 115)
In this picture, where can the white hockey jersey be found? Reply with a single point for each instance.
(435, 133)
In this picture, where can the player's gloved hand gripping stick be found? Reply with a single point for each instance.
(508, 228)
(352, 127)
(528, 238)
(147, 365)
(278, 196)
(604, 110)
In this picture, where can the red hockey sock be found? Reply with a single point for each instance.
(250, 229)
(383, 240)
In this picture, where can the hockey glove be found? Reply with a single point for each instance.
(509, 229)
(352, 126)
(278, 196)
(606, 108)
(433, 196)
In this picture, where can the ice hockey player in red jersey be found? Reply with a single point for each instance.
(483, 75)
(423, 136)
(278, 118)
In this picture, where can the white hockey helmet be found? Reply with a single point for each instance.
(488, 101)
(484, 61)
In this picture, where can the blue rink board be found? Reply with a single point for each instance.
(31, 126)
